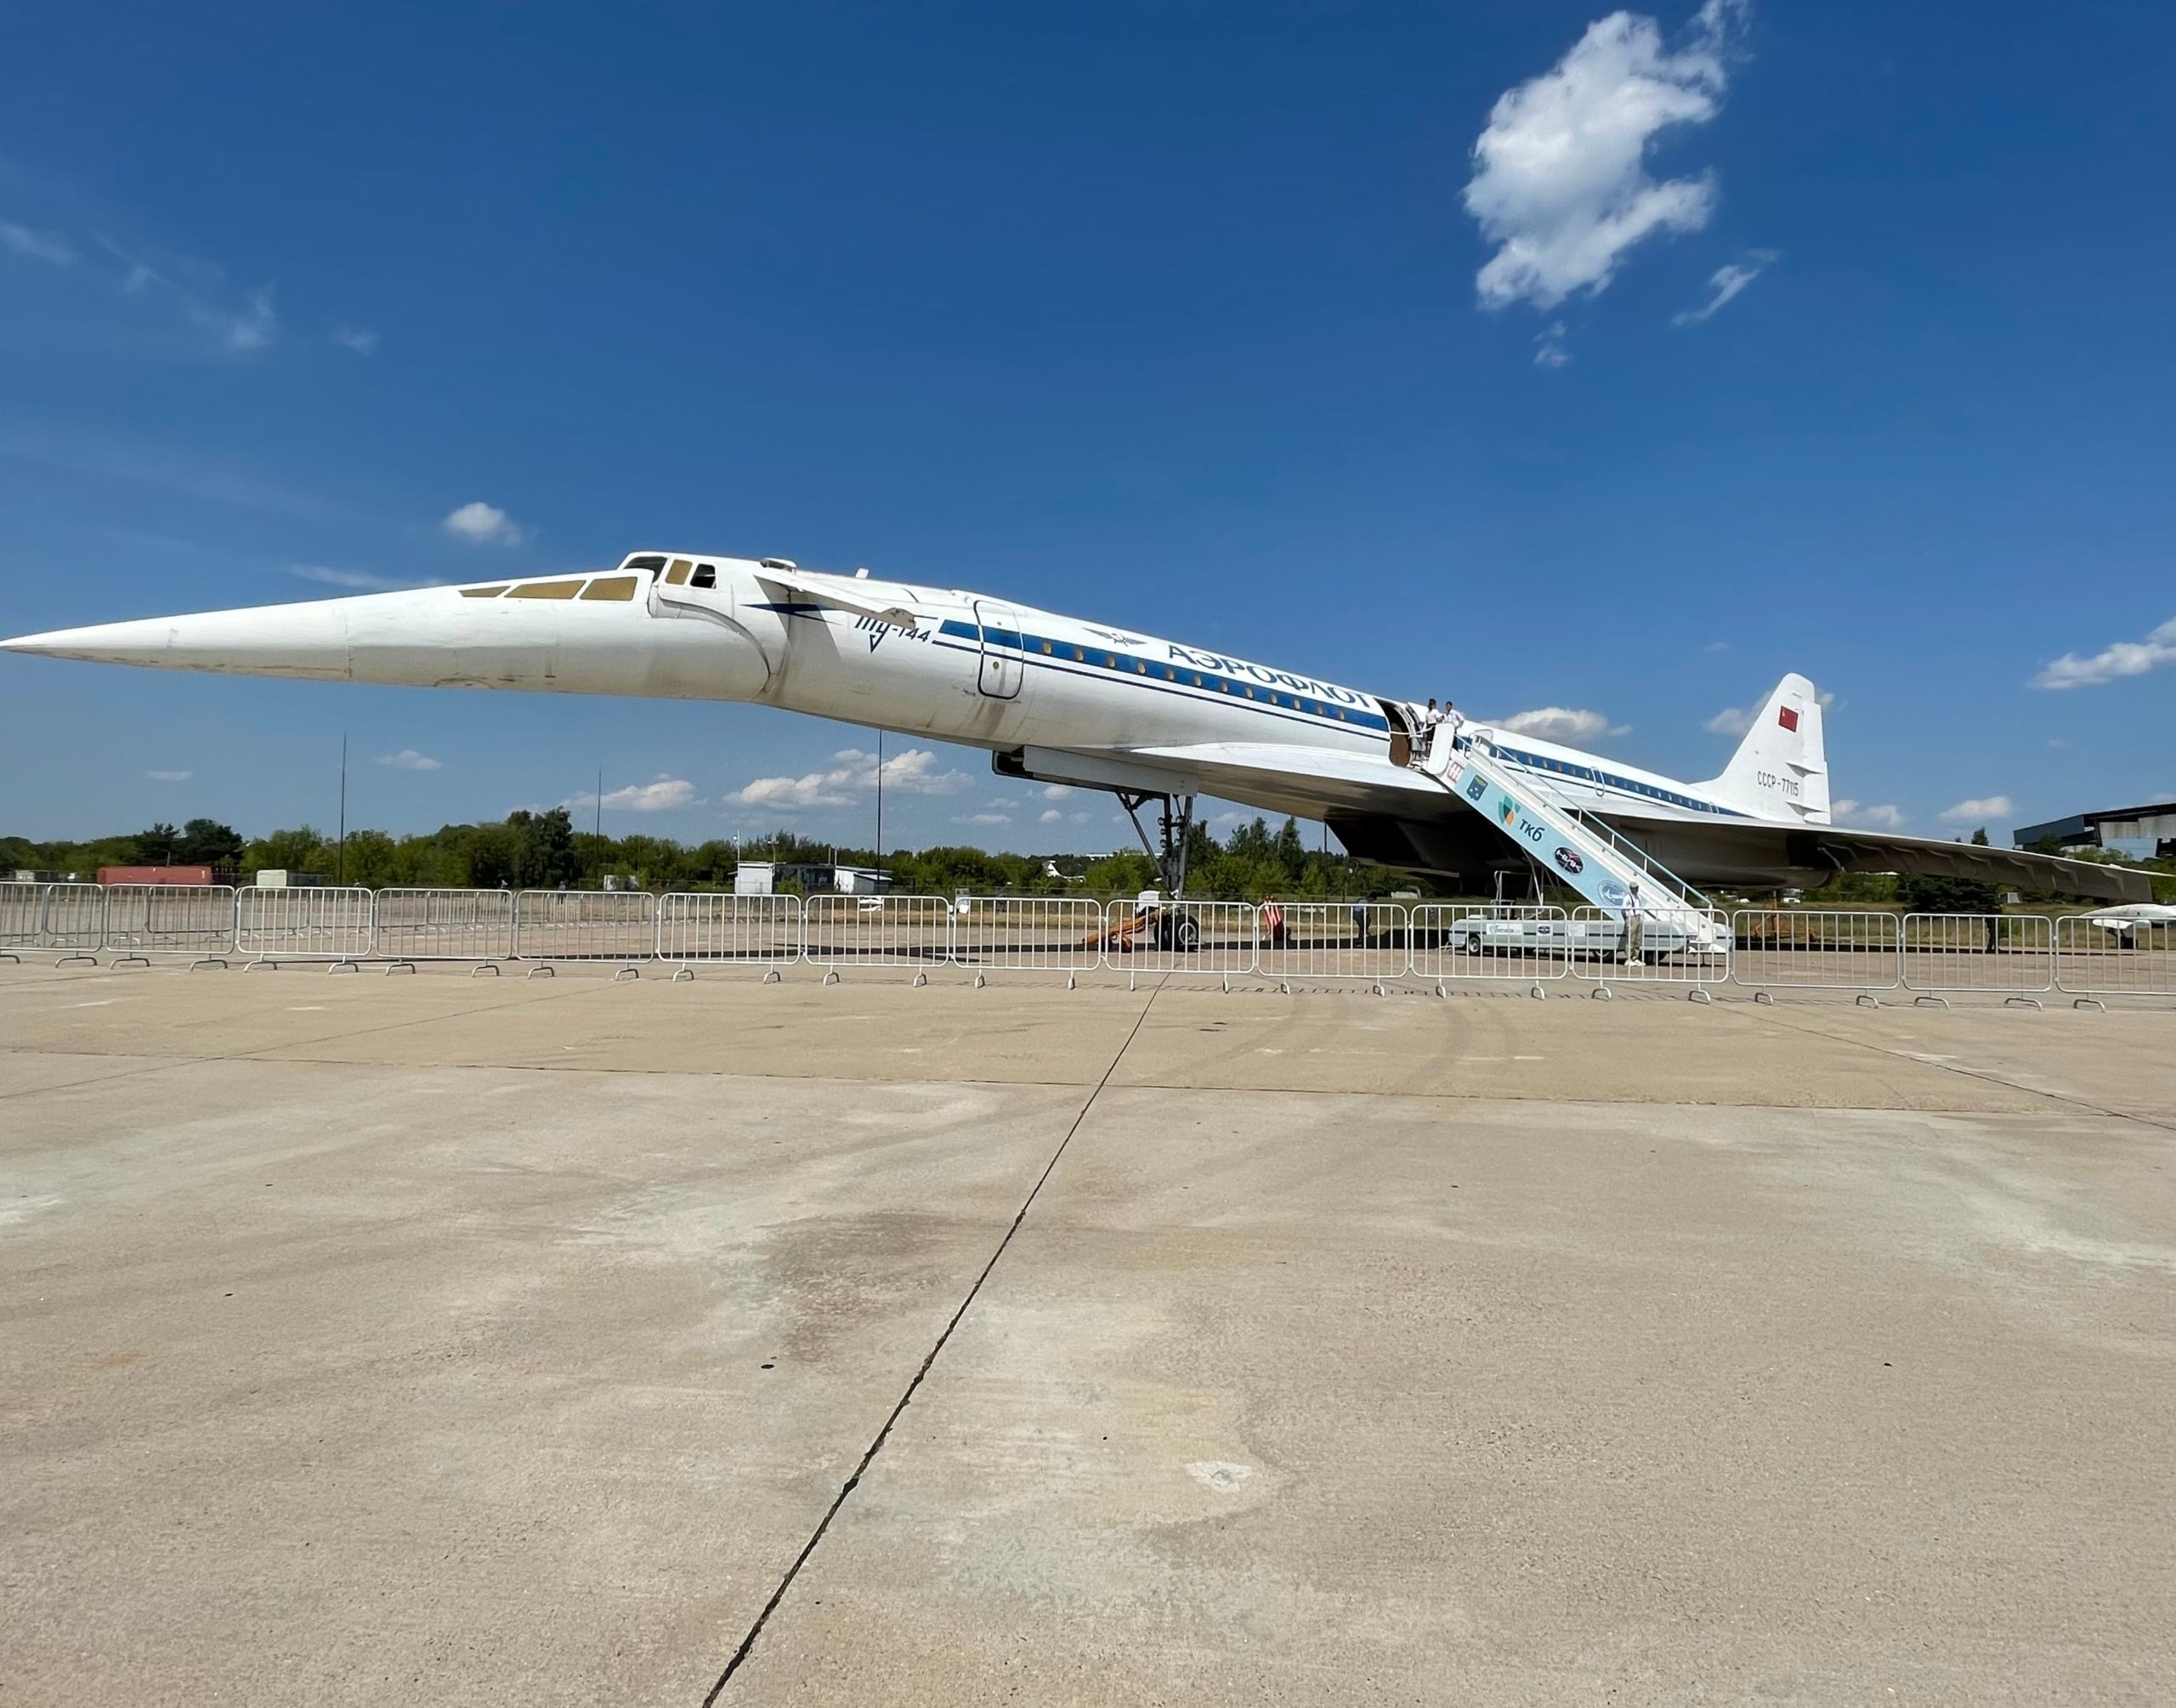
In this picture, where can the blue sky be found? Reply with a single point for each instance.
(1361, 339)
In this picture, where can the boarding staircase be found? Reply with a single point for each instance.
(1574, 846)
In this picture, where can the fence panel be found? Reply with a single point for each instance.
(1812, 949)
(1179, 936)
(1462, 939)
(146, 920)
(1042, 934)
(877, 930)
(22, 915)
(74, 920)
(1679, 947)
(2010, 955)
(317, 924)
(445, 926)
(585, 925)
(2092, 960)
(1333, 939)
(765, 929)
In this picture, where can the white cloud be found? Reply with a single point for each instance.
(483, 524)
(1725, 282)
(1716, 646)
(1730, 721)
(251, 327)
(408, 760)
(1548, 347)
(1054, 791)
(984, 818)
(853, 773)
(1871, 817)
(359, 579)
(1559, 182)
(360, 339)
(664, 794)
(139, 275)
(169, 775)
(1050, 815)
(1979, 811)
(2123, 658)
(1561, 723)
(48, 247)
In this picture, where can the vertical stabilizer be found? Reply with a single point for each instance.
(1780, 769)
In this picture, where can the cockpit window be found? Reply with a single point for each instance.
(618, 587)
(652, 564)
(484, 592)
(705, 576)
(544, 590)
(678, 572)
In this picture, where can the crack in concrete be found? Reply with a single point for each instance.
(747, 1647)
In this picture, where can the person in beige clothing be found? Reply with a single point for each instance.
(1635, 925)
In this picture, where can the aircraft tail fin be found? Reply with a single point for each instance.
(1780, 769)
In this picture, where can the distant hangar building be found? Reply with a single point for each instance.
(2143, 832)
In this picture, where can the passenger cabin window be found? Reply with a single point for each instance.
(705, 576)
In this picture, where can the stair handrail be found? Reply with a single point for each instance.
(1594, 826)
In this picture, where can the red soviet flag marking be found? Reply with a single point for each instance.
(1786, 717)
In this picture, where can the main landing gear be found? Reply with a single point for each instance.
(1173, 927)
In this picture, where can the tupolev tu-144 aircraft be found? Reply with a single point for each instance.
(1058, 700)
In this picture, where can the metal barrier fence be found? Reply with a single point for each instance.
(877, 930)
(74, 921)
(312, 925)
(765, 929)
(22, 915)
(413, 926)
(1687, 947)
(2095, 960)
(1332, 940)
(585, 925)
(1035, 934)
(2011, 955)
(1465, 941)
(2019, 957)
(146, 920)
(1789, 949)
(1181, 936)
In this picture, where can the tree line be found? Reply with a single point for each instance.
(544, 851)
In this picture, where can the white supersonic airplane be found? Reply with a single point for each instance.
(1058, 700)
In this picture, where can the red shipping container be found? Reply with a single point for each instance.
(157, 874)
